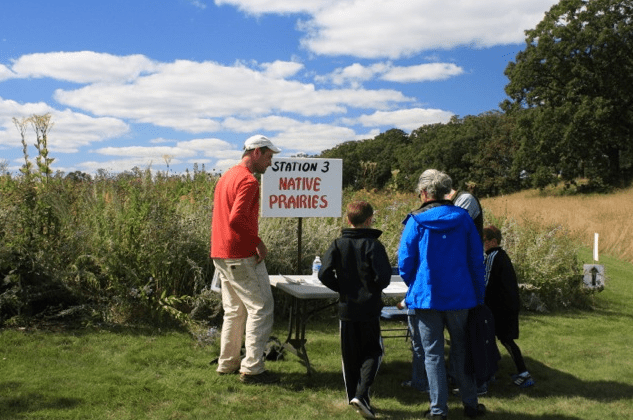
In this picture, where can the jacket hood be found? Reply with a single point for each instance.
(444, 217)
(361, 233)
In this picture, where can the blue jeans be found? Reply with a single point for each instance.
(418, 372)
(430, 324)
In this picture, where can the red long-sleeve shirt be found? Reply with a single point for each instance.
(234, 225)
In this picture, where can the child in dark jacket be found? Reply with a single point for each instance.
(356, 266)
(502, 297)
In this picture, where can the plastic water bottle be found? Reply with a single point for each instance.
(316, 266)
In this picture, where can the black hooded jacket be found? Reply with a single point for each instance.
(356, 266)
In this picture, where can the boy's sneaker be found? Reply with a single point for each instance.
(472, 412)
(523, 380)
(265, 377)
(428, 415)
(363, 408)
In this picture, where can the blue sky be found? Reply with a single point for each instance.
(144, 82)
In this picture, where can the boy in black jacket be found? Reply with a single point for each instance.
(502, 297)
(357, 267)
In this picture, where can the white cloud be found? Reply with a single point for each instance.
(405, 119)
(73, 130)
(394, 29)
(211, 147)
(258, 7)
(5, 73)
(83, 66)
(203, 150)
(295, 135)
(161, 141)
(156, 152)
(192, 96)
(422, 72)
(313, 138)
(119, 165)
(205, 144)
(268, 123)
(183, 149)
(356, 74)
(70, 131)
(281, 69)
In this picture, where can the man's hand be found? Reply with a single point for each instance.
(262, 251)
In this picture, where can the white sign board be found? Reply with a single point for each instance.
(301, 187)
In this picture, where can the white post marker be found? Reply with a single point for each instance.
(593, 274)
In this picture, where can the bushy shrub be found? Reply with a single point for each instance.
(134, 247)
(72, 241)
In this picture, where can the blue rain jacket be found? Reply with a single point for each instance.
(441, 258)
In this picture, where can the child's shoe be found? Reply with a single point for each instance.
(523, 380)
(363, 408)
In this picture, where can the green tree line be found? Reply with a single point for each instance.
(569, 115)
(477, 151)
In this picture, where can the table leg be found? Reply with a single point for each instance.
(297, 328)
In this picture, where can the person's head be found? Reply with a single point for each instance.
(434, 185)
(360, 214)
(492, 237)
(258, 151)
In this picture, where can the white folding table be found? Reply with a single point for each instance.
(304, 288)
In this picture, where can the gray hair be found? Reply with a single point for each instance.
(436, 184)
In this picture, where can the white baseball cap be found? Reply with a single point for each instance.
(260, 141)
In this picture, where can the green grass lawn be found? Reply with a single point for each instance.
(581, 361)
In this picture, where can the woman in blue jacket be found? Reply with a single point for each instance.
(441, 260)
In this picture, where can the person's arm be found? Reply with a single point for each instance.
(261, 250)
(509, 284)
(408, 252)
(491, 278)
(327, 273)
(380, 265)
(244, 214)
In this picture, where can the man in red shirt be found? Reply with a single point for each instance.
(238, 254)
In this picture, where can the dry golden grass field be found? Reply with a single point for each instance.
(609, 215)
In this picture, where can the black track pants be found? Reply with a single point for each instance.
(362, 350)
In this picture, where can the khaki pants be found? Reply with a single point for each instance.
(248, 305)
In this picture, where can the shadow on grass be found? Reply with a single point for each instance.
(13, 401)
(550, 383)
(391, 375)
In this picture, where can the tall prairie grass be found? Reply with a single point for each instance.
(611, 216)
(126, 246)
(136, 245)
